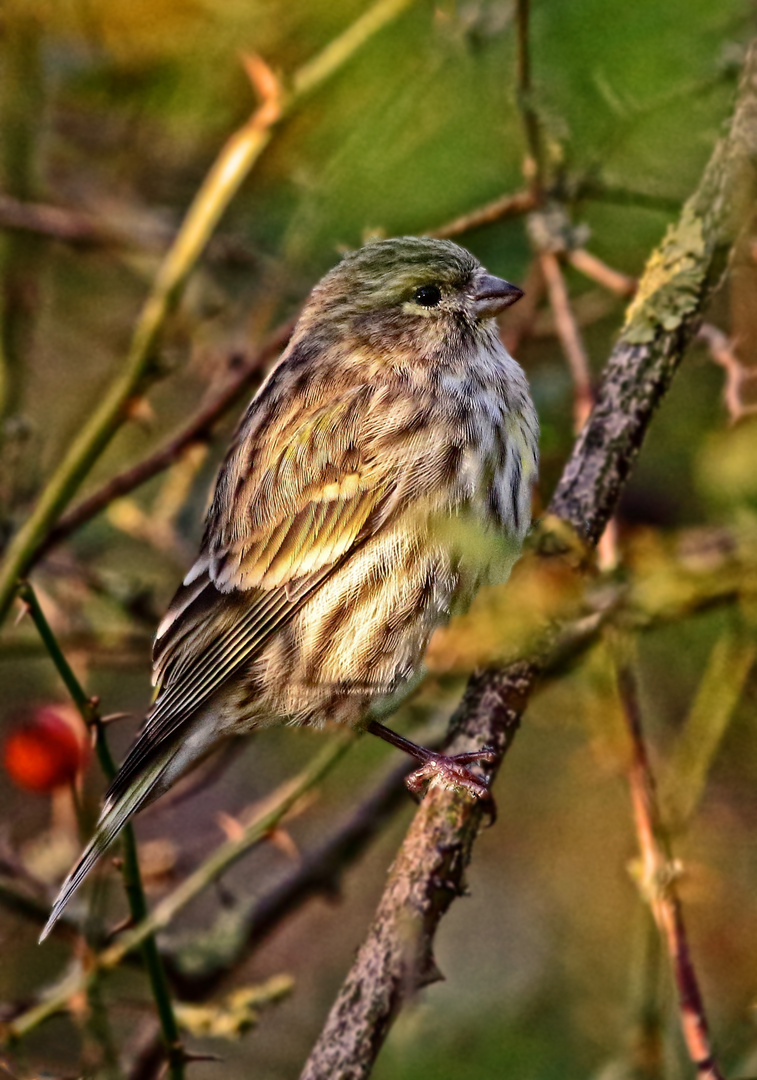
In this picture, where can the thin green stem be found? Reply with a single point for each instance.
(534, 165)
(216, 192)
(719, 692)
(135, 895)
(220, 861)
(86, 706)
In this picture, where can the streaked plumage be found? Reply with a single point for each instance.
(382, 472)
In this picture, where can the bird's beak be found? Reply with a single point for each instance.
(493, 295)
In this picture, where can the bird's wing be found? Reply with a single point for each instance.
(276, 531)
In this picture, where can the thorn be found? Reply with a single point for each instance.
(118, 862)
(188, 1057)
(125, 924)
(112, 718)
(267, 86)
(261, 75)
(232, 827)
(282, 839)
(24, 610)
(140, 410)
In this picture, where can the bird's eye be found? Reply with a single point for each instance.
(427, 295)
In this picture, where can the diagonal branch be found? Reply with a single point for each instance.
(397, 955)
(198, 430)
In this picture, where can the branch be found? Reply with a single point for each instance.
(200, 965)
(507, 206)
(75, 227)
(397, 955)
(209, 204)
(592, 267)
(570, 338)
(165, 911)
(198, 430)
(723, 353)
(533, 166)
(658, 874)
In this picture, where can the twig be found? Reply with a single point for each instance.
(521, 321)
(146, 1058)
(397, 955)
(736, 374)
(533, 166)
(21, 103)
(570, 338)
(198, 430)
(165, 911)
(132, 880)
(507, 206)
(83, 229)
(598, 190)
(200, 969)
(592, 267)
(75, 227)
(658, 875)
(216, 192)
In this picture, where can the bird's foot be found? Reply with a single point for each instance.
(451, 771)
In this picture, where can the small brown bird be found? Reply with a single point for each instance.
(382, 472)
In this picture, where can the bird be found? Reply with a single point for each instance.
(382, 473)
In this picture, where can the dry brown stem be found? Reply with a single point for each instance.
(657, 881)
(736, 374)
(606, 276)
(507, 206)
(570, 338)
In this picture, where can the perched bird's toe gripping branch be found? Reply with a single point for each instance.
(449, 768)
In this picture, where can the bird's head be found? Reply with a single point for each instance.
(409, 293)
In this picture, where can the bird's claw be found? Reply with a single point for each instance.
(451, 771)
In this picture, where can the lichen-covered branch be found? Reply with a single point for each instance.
(397, 955)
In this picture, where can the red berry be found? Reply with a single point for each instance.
(47, 752)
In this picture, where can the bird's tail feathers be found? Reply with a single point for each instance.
(115, 814)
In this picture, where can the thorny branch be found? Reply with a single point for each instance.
(166, 910)
(397, 955)
(87, 708)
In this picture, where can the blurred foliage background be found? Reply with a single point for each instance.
(114, 111)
